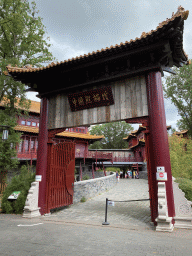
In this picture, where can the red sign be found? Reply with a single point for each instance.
(91, 99)
(161, 174)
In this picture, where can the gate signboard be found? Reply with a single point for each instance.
(123, 99)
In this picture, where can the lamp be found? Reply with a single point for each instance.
(5, 130)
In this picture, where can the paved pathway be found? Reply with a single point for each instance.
(122, 214)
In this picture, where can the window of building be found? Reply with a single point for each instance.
(36, 144)
(20, 148)
(32, 144)
(26, 145)
(33, 124)
(28, 122)
(23, 122)
(37, 124)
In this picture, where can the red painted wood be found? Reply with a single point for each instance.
(158, 143)
(60, 175)
(93, 174)
(151, 180)
(41, 166)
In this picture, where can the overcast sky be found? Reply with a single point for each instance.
(76, 27)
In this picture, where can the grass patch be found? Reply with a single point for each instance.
(186, 186)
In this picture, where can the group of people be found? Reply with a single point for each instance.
(128, 175)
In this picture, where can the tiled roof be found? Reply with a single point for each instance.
(140, 142)
(80, 135)
(34, 108)
(28, 68)
(87, 136)
(23, 128)
(181, 132)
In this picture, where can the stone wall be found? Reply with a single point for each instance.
(93, 187)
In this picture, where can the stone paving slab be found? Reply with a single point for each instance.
(122, 214)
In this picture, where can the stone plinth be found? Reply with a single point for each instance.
(31, 208)
(164, 223)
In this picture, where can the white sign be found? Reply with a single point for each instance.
(111, 203)
(14, 195)
(161, 176)
(38, 178)
(160, 168)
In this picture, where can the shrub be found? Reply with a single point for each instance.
(113, 169)
(21, 182)
(186, 186)
(83, 200)
(86, 177)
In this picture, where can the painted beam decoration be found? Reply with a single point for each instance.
(91, 99)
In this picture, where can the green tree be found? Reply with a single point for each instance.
(181, 155)
(179, 89)
(22, 42)
(114, 134)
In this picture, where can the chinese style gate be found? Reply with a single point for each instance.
(122, 82)
(60, 175)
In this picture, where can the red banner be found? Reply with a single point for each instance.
(91, 99)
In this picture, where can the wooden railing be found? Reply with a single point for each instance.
(127, 159)
(27, 155)
(97, 156)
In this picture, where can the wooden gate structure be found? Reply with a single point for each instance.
(60, 175)
(122, 82)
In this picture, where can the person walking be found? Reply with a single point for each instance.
(117, 175)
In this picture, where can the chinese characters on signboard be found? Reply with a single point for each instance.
(91, 99)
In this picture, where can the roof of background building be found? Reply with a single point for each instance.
(34, 107)
(88, 136)
(181, 132)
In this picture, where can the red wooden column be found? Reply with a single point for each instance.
(158, 142)
(41, 167)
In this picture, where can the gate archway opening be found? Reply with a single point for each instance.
(122, 82)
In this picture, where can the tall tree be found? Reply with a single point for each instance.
(179, 89)
(180, 154)
(114, 134)
(22, 42)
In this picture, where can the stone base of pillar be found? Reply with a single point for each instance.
(31, 208)
(164, 223)
(31, 213)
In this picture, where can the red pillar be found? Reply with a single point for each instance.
(158, 142)
(41, 167)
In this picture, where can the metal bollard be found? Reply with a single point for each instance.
(105, 222)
